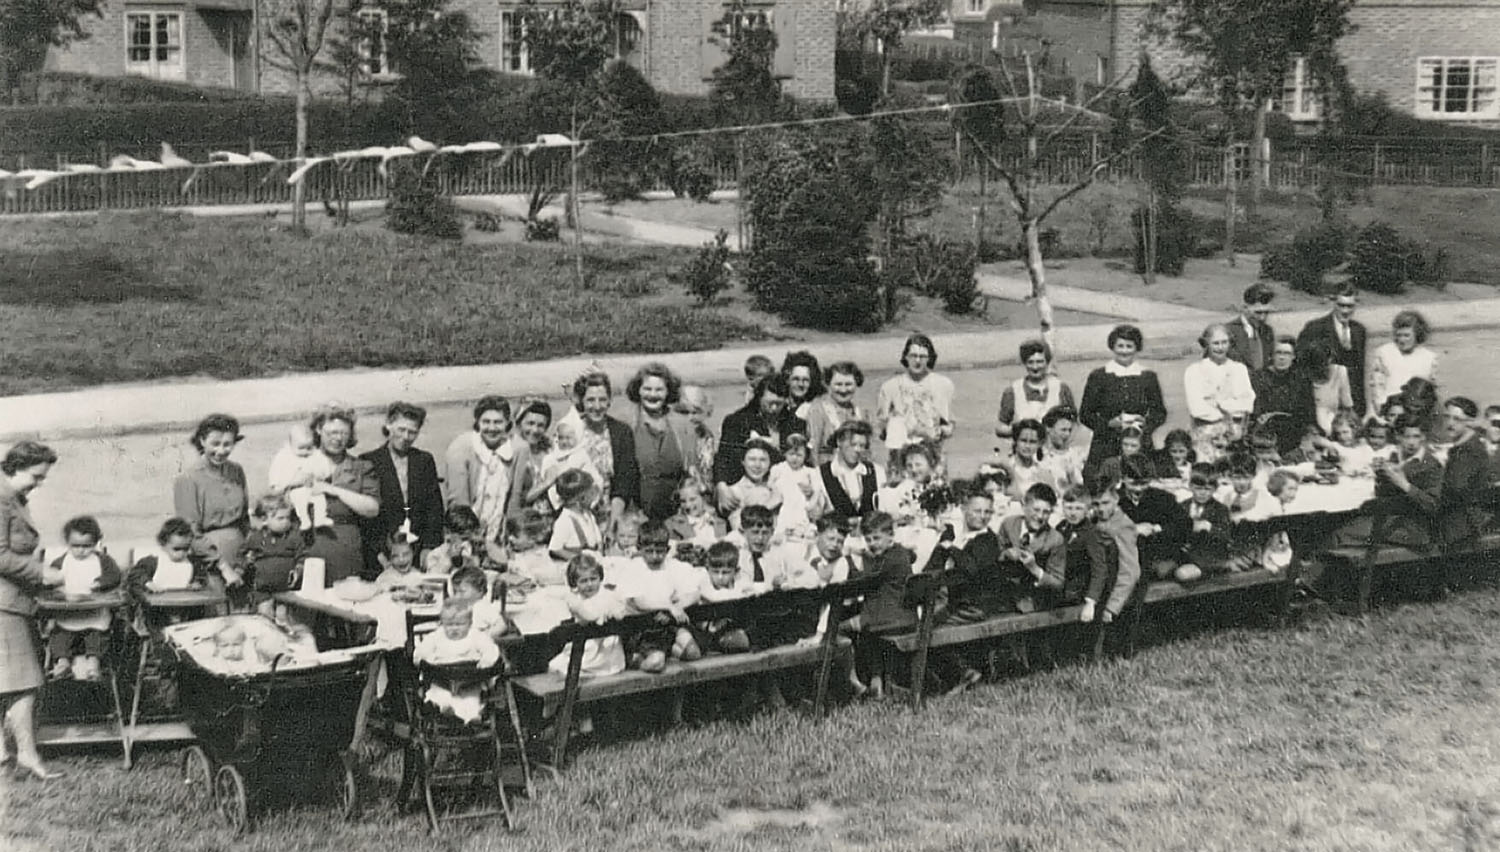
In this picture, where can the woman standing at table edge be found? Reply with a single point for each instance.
(212, 497)
(22, 574)
(666, 444)
(353, 493)
(1034, 394)
(1404, 357)
(1118, 394)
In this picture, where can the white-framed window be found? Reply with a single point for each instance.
(1456, 88)
(1299, 99)
(974, 7)
(514, 58)
(750, 17)
(374, 23)
(153, 45)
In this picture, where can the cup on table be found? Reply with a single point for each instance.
(314, 574)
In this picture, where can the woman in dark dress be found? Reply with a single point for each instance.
(353, 494)
(1119, 394)
(666, 444)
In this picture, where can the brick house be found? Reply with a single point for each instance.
(675, 43)
(1433, 59)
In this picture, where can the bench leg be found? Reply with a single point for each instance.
(564, 719)
(1366, 585)
(831, 622)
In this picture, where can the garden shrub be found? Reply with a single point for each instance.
(415, 207)
(1382, 261)
(707, 274)
(1311, 254)
(547, 230)
(941, 268)
(1176, 239)
(688, 171)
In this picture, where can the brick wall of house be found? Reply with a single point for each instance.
(1389, 38)
(680, 61)
(207, 60)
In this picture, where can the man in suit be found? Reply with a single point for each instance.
(1345, 337)
(1251, 338)
(1461, 513)
(410, 494)
(766, 416)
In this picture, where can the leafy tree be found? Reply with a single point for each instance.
(297, 31)
(29, 27)
(1164, 166)
(910, 173)
(745, 86)
(984, 121)
(625, 106)
(1244, 48)
(435, 50)
(886, 22)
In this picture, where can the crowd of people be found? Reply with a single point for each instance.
(801, 487)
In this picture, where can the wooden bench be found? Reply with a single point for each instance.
(560, 695)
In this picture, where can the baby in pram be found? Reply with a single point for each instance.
(457, 641)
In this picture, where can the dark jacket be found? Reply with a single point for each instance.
(1465, 481)
(886, 608)
(1209, 549)
(1352, 358)
(1289, 396)
(1239, 341)
(625, 482)
(728, 461)
(1092, 562)
(1158, 507)
(424, 501)
(271, 560)
(978, 584)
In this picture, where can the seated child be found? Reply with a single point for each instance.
(463, 543)
(627, 539)
(1110, 521)
(653, 582)
(695, 521)
(1378, 437)
(1247, 500)
(457, 641)
(754, 487)
(79, 639)
(1262, 443)
(1132, 442)
(722, 582)
(1208, 544)
(170, 567)
(1092, 558)
(294, 468)
(766, 566)
(1033, 558)
(996, 482)
(1354, 455)
(592, 602)
(976, 590)
(274, 550)
(471, 586)
(1062, 461)
(398, 563)
(1277, 555)
(566, 454)
(1176, 460)
(575, 530)
(1024, 466)
(1161, 525)
(886, 610)
(1307, 452)
(527, 562)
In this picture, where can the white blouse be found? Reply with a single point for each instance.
(1391, 369)
(1214, 390)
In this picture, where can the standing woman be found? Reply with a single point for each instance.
(611, 446)
(531, 445)
(917, 404)
(411, 496)
(805, 379)
(22, 574)
(1219, 394)
(666, 444)
(696, 406)
(834, 408)
(211, 496)
(1121, 393)
(1329, 381)
(1404, 358)
(484, 467)
(353, 493)
(1034, 394)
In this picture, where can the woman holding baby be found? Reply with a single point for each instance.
(352, 493)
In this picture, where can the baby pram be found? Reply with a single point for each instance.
(271, 731)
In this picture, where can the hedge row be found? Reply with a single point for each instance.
(62, 88)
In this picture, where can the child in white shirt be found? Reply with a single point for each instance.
(798, 485)
(463, 543)
(591, 602)
(1355, 456)
(294, 468)
(457, 641)
(1281, 484)
(575, 530)
(85, 571)
(653, 582)
(398, 563)
(722, 582)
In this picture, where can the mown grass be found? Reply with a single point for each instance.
(1332, 734)
(144, 296)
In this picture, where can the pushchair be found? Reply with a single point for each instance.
(275, 732)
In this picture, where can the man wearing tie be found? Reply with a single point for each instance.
(1345, 337)
(1251, 338)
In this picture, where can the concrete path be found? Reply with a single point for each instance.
(125, 409)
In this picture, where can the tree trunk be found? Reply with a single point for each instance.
(573, 203)
(299, 191)
(1257, 158)
(979, 215)
(1037, 272)
(885, 70)
(1231, 186)
(1148, 237)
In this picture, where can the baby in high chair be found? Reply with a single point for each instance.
(457, 641)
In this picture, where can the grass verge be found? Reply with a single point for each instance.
(1334, 734)
(118, 298)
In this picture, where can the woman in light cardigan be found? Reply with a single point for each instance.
(1219, 393)
(484, 467)
(1404, 358)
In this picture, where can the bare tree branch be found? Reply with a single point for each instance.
(1096, 170)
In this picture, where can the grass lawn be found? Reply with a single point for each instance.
(143, 296)
(1333, 734)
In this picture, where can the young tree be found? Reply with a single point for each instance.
(887, 22)
(910, 171)
(435, 52)
(297, 31)
(983, 120)
(1163, 166)
(1243, 49)
(29, 27)
(1032, 128)
(745, 86)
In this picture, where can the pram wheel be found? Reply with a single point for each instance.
(197, 772)
(230, 799)
(345, 775)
